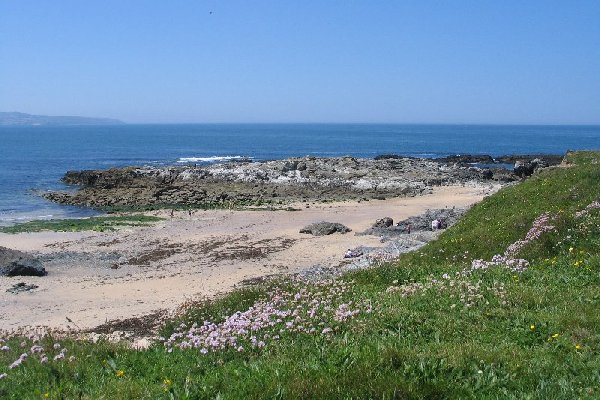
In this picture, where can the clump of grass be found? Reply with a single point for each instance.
(98, 224)
(437, 326)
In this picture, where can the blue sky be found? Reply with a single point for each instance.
(303, 61)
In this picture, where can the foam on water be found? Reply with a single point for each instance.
(210, 159)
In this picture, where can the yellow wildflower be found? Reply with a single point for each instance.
(555, 336)
(120, 373)
(46, 395)
(532, 327)
(577, 346)
(571, 249)
(167, 382)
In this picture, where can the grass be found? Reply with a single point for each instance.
(98, 224)
(490, 333)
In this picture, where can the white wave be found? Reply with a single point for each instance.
(209, 159)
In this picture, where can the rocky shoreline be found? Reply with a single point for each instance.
(301, 179)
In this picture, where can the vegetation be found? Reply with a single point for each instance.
(99, 224)
(209, 205)
(522, 322)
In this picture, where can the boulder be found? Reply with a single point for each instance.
(523, 168)
(17, 263)
(325, 228)
(385, 222)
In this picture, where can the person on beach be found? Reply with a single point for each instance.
(352, 254)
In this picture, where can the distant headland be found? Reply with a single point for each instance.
(22, 119)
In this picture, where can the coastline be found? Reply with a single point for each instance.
(229, 223)
(95, 277)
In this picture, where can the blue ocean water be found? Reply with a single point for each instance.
(33, 159)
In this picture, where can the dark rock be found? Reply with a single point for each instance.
(420, 223)
(17, 263)
(388, 157)
(446, 216)
(466, 159)
(550, 159)
(21, 287)
(526, 168)
(523, 168)
(325, 228)
(385, 222)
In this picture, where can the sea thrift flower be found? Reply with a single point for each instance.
(18, 361)
(588, 208)
(283, 311)
(540, 225)
(37, 349)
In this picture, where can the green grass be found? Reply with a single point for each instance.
(528, 335)
(99, 224)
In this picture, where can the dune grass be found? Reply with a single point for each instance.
(98, 224)
(426, 326)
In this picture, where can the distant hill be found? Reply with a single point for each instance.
(22, 119)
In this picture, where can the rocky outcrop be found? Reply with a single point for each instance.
(325, 228)
(526, 168)
(280, 181)
(385, 222)
(420, 223)
(447, 217)
(17, 263)
(467, 159)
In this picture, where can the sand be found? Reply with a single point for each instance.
(96, 277)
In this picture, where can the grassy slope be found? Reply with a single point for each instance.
(516, 339)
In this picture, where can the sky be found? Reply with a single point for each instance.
(489, 62)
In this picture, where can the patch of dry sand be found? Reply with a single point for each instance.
(97, 277)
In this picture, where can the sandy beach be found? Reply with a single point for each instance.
(97, 277)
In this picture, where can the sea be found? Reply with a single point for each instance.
(34, 158)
